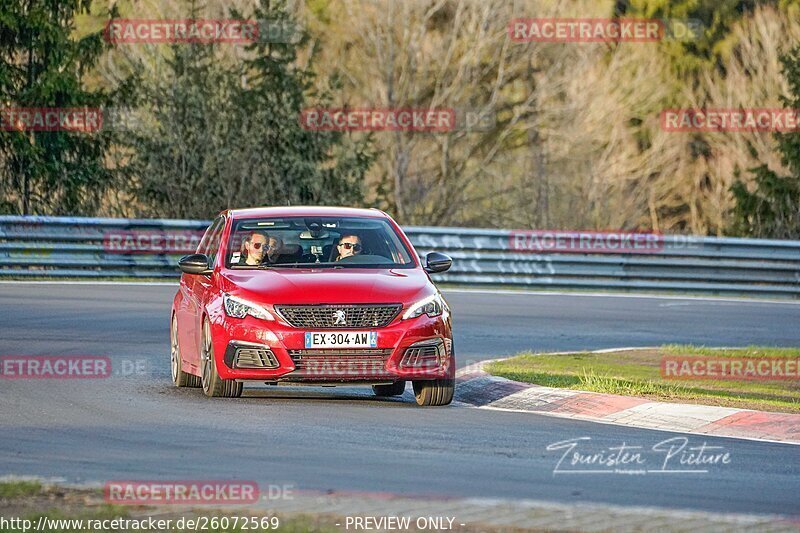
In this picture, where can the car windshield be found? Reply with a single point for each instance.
(292, 242)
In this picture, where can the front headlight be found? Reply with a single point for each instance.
(432, 306)
(238, 308)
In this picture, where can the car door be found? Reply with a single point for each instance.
(195, 288)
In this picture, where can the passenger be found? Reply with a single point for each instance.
(254, 247)
(274, 250)
(349, 245)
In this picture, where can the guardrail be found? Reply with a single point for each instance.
(105, 247)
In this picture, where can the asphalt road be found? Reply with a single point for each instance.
(135, 425)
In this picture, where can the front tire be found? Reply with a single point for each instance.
(438, 391)
(434, 392)
(179, 377)
(213, 385)
(394, 389)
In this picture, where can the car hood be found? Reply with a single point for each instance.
(328, 286)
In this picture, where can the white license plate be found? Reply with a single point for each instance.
(341, 339)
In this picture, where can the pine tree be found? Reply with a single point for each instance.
(297, 165)
(183, 148)
(227, 133)
(772, 209)
(41, 66)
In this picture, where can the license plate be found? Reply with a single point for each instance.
(341, 339)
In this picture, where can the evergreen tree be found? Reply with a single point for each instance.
(182, 149)
(772, 209)
(296, 164)
(227, 133)
(41, 66)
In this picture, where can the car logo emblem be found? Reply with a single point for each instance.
(339, 317)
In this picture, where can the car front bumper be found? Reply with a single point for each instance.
(272, 351)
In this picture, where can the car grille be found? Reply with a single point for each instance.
(329, 316)
(340, 364)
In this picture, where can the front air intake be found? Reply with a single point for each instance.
(250, 356)
(424, 354)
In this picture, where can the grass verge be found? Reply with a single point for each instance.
(638, 373)
(30, 500)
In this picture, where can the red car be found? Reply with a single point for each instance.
(311, 295)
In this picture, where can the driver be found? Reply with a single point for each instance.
(255, 245)
(349, 245)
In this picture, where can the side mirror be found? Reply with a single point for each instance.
(436, 262)
(195, 264)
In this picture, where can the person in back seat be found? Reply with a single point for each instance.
(274, 249)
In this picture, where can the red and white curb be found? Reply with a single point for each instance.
(478, 388)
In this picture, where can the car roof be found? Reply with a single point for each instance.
(306, 211)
